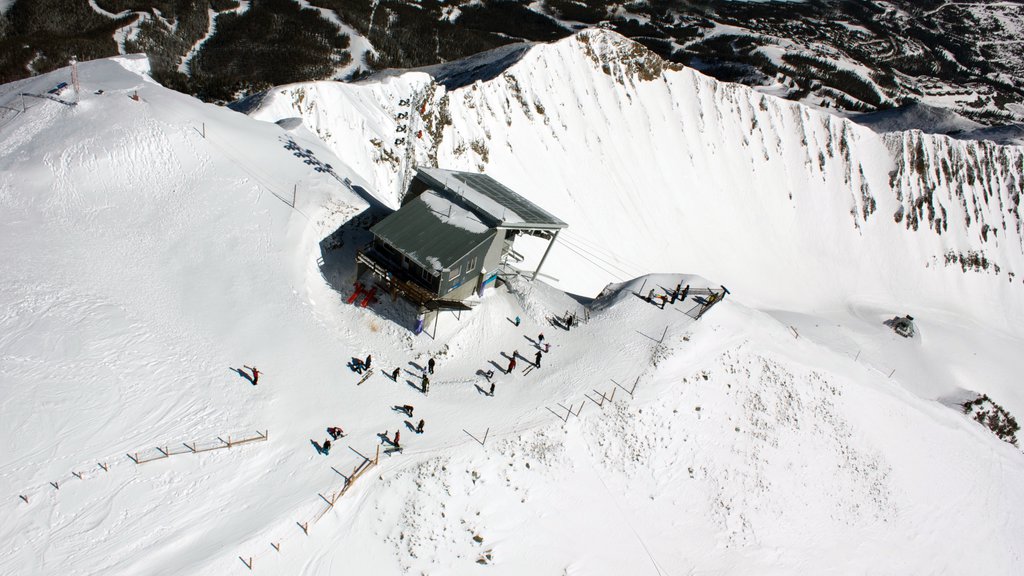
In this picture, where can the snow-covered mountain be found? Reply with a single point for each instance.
(765, 195)
(152, 244)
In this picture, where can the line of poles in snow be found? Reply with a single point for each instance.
(147, 455)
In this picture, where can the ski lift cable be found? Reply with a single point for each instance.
(594, 246)
(604, 261)
(617, 276)
(584, 257)
(604, 264)
(604, 254)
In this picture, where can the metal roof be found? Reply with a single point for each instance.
(492, 199)
(433, 232)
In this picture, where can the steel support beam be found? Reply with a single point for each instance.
(545, 257)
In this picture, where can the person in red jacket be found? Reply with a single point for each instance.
(255, 374)
(395, 441)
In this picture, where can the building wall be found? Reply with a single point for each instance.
(468, 275)
(493, 256)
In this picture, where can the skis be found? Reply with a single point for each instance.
(365, 376)
(370, 297)
(355, 295)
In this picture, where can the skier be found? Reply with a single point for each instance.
(536, 359)
(547, 347)
(650, 295)
(425, 383)
(568, 323)
(255, 374)
(327, 447)
(492, 389)
(395, 441)
(335, 432)
(511, 366)
(489, 374)
(394, 375)
(517, 321)
(419, 427)
(369, 358)
(407, 408)
(430, 366)
(682, 297)
(540, 338)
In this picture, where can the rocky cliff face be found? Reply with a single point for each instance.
(775, 197)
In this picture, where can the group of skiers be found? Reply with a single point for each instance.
(408, 408)
(334, 432)
(679, 293)
(360, 366)
(542, 347)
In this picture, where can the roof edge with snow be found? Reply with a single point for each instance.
(485, 195)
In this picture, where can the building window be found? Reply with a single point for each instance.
(455, 273)
(471, 266)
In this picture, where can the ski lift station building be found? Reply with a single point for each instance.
(451, 236)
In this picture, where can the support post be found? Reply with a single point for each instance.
(376, 459)
(545, 256)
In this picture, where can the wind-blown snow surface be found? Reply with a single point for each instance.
(142, 261)
(765, 195)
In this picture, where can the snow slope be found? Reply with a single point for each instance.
(734, 183)
(144, 261)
